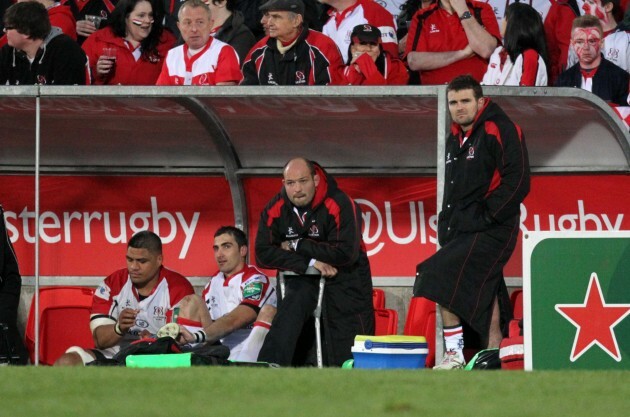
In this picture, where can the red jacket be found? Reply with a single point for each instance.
(558, 35)
(60, 16)
(128, 71)
(394, 71)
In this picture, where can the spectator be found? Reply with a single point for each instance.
(241, 300)
(521, 61)
(292, 54)
(486, 180)
(500, 7)
(201, 60)
(59, 15)
(131, 303)
(10, 285)
(228, 26)
(311, 222)
(346, 14)
(38, 53)
(592, 72)
(558, 34)
(90, 15)
(132, 48)
(616, 38)
(368, 63)
(450, 38)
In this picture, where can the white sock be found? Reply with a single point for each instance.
(252, 345)
(454, 339)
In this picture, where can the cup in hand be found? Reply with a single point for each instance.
(96, 20)
(109, 54)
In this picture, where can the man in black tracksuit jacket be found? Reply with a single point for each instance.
(292, 54)
(485, 181)
(311, 222)
(10, 286)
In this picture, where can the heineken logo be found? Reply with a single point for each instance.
(595, 321)
(576, 291)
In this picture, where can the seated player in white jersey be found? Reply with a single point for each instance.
(240, 300)
(133, 302)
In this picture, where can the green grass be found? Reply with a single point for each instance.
(217, 392)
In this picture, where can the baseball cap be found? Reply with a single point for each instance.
(295, 6)
(366, 33)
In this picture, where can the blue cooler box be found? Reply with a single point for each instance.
(389, 352)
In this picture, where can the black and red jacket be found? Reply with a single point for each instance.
(330, 232)
(313, 60)
(486, 177)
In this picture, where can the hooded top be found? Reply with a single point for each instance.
(59, 61)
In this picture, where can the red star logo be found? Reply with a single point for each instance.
(595, 321)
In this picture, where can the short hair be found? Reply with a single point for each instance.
(309, 163)
(238, 235)
(230, 4)
(146, 240)
(587, 21)
(29, 18)
(193, 4)
(465, 82)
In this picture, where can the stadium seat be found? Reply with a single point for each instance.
(64, 321)
(386, 321)
(378, 298)
(421, 322)
(517, 304)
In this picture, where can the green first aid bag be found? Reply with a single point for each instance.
(169, 360)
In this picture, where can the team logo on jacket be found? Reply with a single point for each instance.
(448, 158)
(41, 80)
(434, 29)
(471, 153)
(313, 231)
(300, 78)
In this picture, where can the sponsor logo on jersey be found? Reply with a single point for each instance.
(158, 310)
(142, 323)
(253, 291)
(102, 291)
(434, 29)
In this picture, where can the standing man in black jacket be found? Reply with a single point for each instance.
(311, 222)
(485, 181)
(38, 53)
(11, 347)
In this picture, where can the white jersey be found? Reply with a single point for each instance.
(616, 50)
(117, 293)
(511, 73)
(223, 294)
(392, 6)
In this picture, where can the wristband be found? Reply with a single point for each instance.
(200, 336)
(117, 329)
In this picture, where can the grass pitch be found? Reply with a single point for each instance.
(218, 392)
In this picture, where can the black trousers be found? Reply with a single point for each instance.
(291, 339)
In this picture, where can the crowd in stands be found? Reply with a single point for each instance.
(330, 42)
